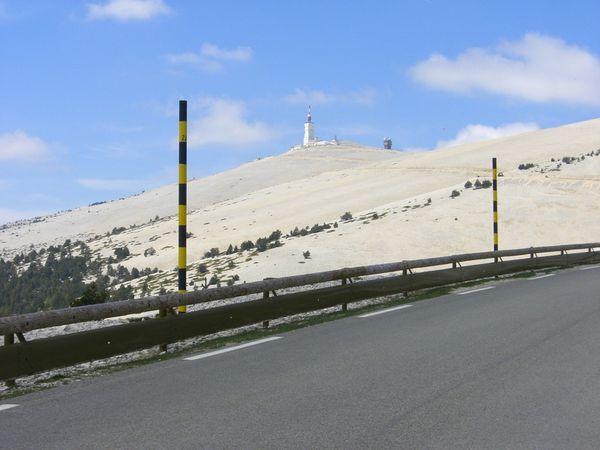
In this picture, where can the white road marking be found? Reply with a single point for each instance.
(231, 349)
(540, 277)
(589, 268)
(383, 311)
(476, 290)
(7, 406)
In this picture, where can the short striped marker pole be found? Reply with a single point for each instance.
(495, 203)
(182, 200)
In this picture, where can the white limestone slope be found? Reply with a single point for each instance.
(541, 206)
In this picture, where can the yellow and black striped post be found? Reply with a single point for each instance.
(182, 199)
(495, 203)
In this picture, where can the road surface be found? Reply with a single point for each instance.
(516, 365)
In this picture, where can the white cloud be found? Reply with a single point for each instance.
(183, 58)
(124, 10)
(301, 97)
(19, 146)
(476, 133)
(225, 123)
(241, 54)
(210, 58)
(537, 68)
(101, 184)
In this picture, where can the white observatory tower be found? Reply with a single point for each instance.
(309, 129)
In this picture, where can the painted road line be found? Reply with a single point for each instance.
(7, 406)
(383, 311)
(540, 277)
(231, 349)
(476, 290)
(589, 268)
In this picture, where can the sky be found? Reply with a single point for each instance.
(89, 90)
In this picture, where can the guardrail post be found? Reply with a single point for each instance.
(344, 305)
(265, 323)
(162, 312)
(9, 339)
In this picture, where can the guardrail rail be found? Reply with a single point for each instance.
(18, 359)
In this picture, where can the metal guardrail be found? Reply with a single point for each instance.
(26, 358)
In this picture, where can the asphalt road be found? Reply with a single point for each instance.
(515, 366)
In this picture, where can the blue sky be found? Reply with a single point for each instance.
(89, 89)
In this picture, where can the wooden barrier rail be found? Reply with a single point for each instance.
(25, 358)
(44, 319)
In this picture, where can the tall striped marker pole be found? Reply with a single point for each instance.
(182, 200)
(495, 203)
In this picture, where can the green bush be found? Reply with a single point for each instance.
(92, 295)
(121, 252)
(526, 166)
(247, 245)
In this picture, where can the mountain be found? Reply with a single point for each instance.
(400, 202)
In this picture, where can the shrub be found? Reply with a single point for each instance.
(202, 268)
(468, 184)
(121, 252)
(213, 280)
(212, 253)
(149, 251)
(454, 193)
(247, 245)
(274, 236)
(316, 228)
(306, 254)
(486, 184)
(526, 166)
(92, 295)
(123, 293)
(262, 244)
(346, 216)
(568, 159)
